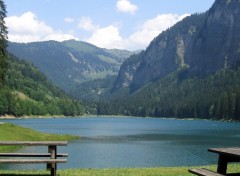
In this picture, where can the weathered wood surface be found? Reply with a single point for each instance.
(52, 154)
(233, 152)
(31, 155)
(226, 155)
(35, 143)
(204, 172)
(32, 161)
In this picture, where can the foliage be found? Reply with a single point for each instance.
(27, 92)
(95, 90)
(216, 96)
(3, 38)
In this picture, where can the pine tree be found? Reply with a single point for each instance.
(3, 42)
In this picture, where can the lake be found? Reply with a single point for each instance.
(112, 142)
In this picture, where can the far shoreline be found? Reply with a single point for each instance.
(11, 117)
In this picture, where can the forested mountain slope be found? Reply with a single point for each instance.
(69, 63)
(28, 92)
(214, 97)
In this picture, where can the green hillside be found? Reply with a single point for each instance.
(70, 63)
(11, 132)
(28, 92)
(215, 97)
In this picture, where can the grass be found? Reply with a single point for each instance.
(162, 171)
(180, 171)
(10, 132)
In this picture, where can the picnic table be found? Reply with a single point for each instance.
(26, 158)
(225, 156)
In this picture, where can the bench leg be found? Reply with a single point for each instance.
(53, 167)
(53, 172)
(222, 164)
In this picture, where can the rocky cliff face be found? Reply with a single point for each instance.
(218, 43)
(166, 53)
(127, 72)
(202, 43)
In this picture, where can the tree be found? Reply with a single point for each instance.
(3, 42)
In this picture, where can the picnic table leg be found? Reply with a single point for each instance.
(222, 164)
(53, 167)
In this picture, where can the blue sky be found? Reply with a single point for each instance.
(122, 24)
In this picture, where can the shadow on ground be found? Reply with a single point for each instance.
(23, 175)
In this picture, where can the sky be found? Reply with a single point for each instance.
(121, 24)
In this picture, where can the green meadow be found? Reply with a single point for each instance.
(11, 132)
(161, 171)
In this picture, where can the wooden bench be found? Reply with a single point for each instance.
(204, 172)
(50, 158)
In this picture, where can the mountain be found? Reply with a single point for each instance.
(95, 90)
(202, 43)
(216, 96)
(27, 92)
(191, 70)
(69, 63)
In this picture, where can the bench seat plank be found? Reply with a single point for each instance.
(204, 172)
(32, 161)
(35, 143)
(31, 155)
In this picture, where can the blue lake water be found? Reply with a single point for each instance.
(135, 142)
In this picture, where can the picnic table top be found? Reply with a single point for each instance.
(233, 151)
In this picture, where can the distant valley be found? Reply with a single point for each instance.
(70, 63)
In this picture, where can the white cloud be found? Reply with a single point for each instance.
(107, 37)
(87, 24)
(27, 28)
(68, 20)
(126, 6)
(27, 24)
(152, 28)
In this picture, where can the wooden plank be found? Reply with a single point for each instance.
(31, 161)
(204, 172)
(235, 151)
(35, 143)
(53, 151)
(31, 155)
